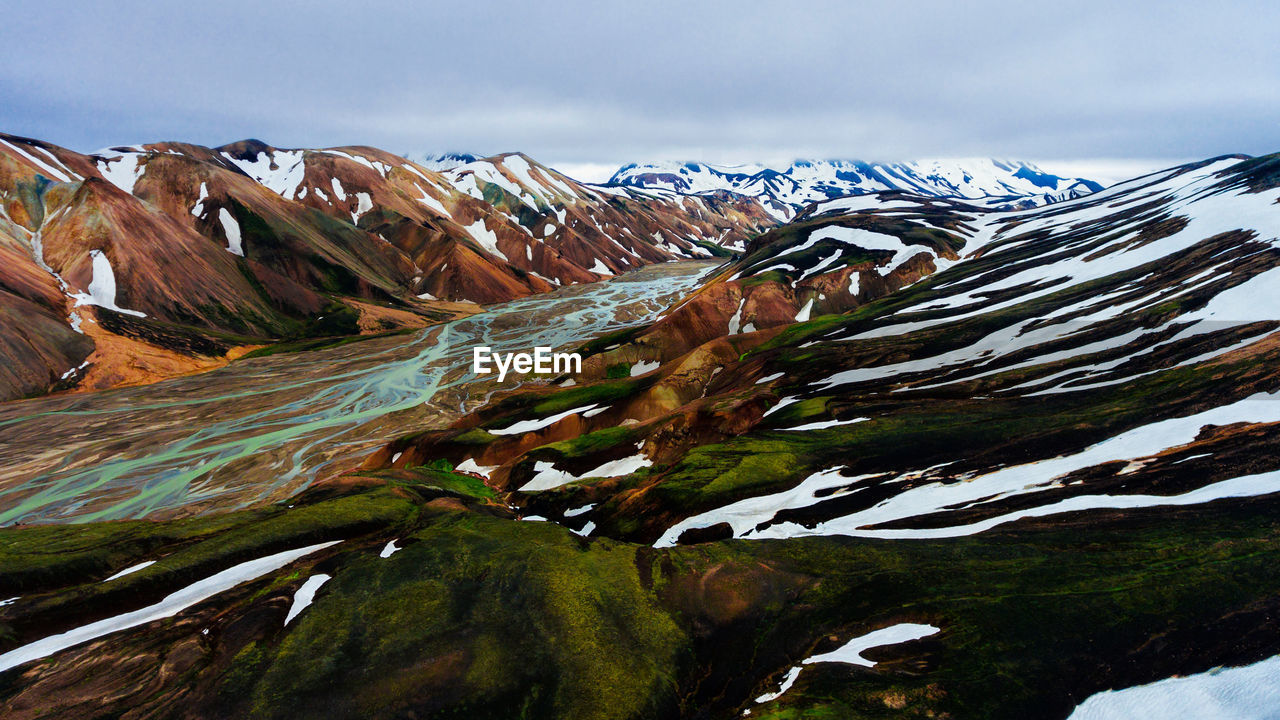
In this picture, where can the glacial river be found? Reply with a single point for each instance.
(262, 429)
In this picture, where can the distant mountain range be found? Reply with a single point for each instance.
(1000, 184)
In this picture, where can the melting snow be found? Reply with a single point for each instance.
(198, 208)
(471, 466)
(1251, 692)
(781, 404)
(547, 477)
(130, 570)
(851, 652)
(826, 424)
(644, 366)
(232, 230)
(168, 607)
(486, 237)
(389, 549)
(47, 169)
(736, 320)
(525, 426)
(102, 288)
(305, 595)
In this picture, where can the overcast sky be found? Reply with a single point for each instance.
(1110, 88)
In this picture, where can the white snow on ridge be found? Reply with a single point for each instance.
(364, 203)
(123, 170)
(547, 477)
(46, 168)
(1141, 442)
(171, 605)
(1208, 214)
(284, 180)
(525, 426)
(487, 238)
(471, 466)
(806, 181)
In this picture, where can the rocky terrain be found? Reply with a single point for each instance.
(905, 456)
(143, 262)
(1000, 184)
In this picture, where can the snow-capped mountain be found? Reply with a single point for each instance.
(1002, 184)
(441, 161)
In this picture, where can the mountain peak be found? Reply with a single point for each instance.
(805, 181)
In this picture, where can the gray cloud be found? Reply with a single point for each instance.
(592, 82)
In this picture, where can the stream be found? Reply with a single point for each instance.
(261, 429)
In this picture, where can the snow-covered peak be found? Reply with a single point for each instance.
(441, 162)
(807, 181)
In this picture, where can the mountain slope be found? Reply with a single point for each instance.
(179, 253)
(1111, 361)
(1003, 183)
(1032, 459)
(1158, 288)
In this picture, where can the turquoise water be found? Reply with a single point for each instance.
(259, 430)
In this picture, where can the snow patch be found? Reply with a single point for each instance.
(232, 230)
(168, 607)
(305, 595)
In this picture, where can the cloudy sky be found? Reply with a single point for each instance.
(1103, 88)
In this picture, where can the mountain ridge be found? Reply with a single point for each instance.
(243, 244)
(1018, 184)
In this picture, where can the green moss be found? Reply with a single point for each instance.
(503, 619)
(712, 475)
(595, 393)
(617, 337)
(466, 485)
(618, 370)
(475, 436)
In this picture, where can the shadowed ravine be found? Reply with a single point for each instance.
(263, 428)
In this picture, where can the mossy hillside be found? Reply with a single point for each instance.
(481, 616)
(913, 431)
(40, 557)
(1035, 620)
(484, 618)
(436, 476)
(543, 403)
(72, 557)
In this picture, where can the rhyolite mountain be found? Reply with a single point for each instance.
(141, 262)
(999, 183)
(1036, 453)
